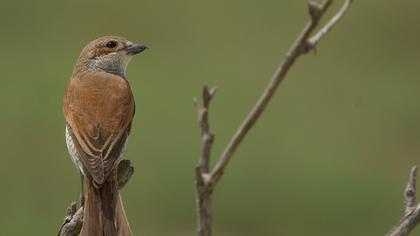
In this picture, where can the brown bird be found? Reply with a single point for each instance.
(99, 109)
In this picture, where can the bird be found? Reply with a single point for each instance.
(99, 109)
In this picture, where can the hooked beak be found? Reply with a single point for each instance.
(135, 48)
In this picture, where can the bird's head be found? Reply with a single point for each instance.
(109, 54)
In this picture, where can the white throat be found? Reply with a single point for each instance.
(114, 63)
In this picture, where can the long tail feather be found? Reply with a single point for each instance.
(104, 213)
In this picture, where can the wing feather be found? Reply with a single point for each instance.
(99, 108)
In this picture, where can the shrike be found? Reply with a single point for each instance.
(99, 109)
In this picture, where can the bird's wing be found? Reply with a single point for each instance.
(99, 108)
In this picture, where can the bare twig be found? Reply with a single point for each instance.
(206, 180)
(314, 40)
(73, 221)
(203, 189)
(124, 172)
(411, 217)
(303, 44)
(410, 191)
(207, 138)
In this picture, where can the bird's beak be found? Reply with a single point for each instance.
(135, 48)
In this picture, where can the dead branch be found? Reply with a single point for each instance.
(206, 180)
(411, 216)
(73, 221)
(204, 190)
(302, 45)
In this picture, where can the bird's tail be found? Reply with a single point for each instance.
(104, 213)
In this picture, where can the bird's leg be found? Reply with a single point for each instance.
(82, 193)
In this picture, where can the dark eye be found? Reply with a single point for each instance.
(111, 44)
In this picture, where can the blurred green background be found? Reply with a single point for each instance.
(330, 156)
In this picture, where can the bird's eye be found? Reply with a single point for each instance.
(111, 44)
